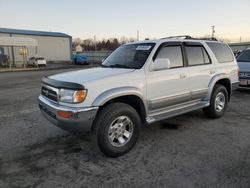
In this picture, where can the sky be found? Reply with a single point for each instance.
(117, 18)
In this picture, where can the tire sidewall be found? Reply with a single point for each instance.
(218, 89)
(103, 128)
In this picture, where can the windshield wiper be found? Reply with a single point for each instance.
(106, 66)
(120, 66)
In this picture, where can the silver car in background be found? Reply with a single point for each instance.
(244, 65)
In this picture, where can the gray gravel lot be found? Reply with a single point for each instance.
(185, 151)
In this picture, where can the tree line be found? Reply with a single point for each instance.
(103, 45)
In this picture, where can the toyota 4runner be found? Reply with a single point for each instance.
(141, 83)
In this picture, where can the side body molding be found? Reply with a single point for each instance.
(119, 92)
(213, 82)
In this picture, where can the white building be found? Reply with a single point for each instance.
(53, 46)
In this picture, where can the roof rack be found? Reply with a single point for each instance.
(189, 37)
(178, 36)
(206, 38)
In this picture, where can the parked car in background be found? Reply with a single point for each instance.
(37, 61)
(237, 53)
(79, 59)
(244, 65)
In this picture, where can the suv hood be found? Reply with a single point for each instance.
(88, 75)
(244, 66)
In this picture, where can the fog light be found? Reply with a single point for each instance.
(64, 114)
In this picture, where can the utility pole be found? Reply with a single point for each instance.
(95, 42)
(213, 30)
(138, 35)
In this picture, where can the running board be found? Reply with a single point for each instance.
(158, 115)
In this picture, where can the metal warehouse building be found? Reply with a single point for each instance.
(53, 46)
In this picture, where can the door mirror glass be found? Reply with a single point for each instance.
(160, 64)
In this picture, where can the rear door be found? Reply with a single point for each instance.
(200, 67)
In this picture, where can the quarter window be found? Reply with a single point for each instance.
(173, 53)
(221, 51)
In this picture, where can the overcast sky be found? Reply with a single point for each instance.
(116, 18)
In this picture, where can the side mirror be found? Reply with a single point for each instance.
(160, 64)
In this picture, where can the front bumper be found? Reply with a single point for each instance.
(80, 121)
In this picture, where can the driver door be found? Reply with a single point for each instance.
(169, 87)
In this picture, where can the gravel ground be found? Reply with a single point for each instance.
(186, 151)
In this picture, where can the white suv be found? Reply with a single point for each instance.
(141, 83)
(37, 61)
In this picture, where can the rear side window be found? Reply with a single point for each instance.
(173, 53)
(221, 51)
(197, 55)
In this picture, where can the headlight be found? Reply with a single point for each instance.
(71, 96)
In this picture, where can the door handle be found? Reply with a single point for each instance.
(182, 76)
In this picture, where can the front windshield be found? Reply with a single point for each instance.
(244, 56)
(131, 56)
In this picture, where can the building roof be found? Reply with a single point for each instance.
(32, 32)
(239, 44)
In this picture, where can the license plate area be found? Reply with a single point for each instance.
(244, 82)
(44, 109)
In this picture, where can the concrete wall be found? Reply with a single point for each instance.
(239, 46)
(52, 48)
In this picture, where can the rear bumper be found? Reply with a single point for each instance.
(81, 119)
(244, 87)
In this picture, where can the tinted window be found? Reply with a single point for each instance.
(195, 55)
(206, 57)
(244, 56)
(221, 51)
(173, 53)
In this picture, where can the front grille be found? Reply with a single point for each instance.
(244, 74)
(49, 93)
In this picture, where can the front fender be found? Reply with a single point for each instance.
(118, 92)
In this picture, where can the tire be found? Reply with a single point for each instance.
(107, 130)
(216, 110)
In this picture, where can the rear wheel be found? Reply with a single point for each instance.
(117, 128)
(218, 102)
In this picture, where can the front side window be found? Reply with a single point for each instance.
(197, 55)
(221, 51)
(244, 56)
(131, 56)
(173, 53)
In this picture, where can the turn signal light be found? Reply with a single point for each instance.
(80, 96)
(64, 114)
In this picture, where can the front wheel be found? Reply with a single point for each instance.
(117, 128)
(218, 102)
